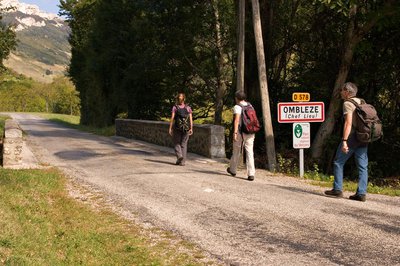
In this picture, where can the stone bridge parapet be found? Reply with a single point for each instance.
(207, 140)
(12, 144)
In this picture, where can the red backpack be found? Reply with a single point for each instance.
(249, 122)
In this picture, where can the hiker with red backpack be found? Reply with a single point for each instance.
(361, 126)
(180, 128)
(245, 125)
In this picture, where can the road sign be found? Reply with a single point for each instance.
(292, 112)
(301, 97)
(301, 135)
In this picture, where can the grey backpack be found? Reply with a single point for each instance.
(368, 125)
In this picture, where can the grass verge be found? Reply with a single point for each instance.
(352, 186)
(73, 122)
(289, 168)
(42, 225)
(326, 181)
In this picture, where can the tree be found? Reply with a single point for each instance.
(224, 71)
(269, 133)
(65, 97)
(8, 41)
(80, 17)
(48, 93)
(241, 21)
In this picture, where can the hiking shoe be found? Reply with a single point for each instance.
(229, 171)
(334, 193)
(250, 178)
(358, 197)
(179, 161)
(182, 164)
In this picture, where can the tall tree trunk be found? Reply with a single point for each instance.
(269, 32)
(241, 40)
(262, 74)
(221, 82)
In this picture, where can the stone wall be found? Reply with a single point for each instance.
(12, 144)
(207, 140)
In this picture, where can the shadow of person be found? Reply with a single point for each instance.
(161, 162)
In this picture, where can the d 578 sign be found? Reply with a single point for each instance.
(292, 112)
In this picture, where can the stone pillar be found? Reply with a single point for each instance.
(217, 145)
(12, 144)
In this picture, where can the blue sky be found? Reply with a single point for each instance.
(50, 6)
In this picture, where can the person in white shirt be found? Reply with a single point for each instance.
(240, 138)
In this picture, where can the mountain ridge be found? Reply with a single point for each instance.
(28, 9)
(43, 51)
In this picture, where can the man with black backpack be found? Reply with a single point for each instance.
(350, 144)
(245, 125)
(180, 128)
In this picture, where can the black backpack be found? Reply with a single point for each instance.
(368, 125)
(182, 121)
(249, 122)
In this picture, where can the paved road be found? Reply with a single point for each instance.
(275, 220)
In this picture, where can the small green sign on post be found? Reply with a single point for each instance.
(301, 135)
(301, 140)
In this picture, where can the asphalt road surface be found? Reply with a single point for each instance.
(274, 220)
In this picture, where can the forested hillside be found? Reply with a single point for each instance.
(134, 56)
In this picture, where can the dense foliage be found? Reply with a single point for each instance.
(21, 94)
(134, 56)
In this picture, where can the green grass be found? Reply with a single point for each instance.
(73, 122)
(326, 181)
(352, 187)
(42, 225)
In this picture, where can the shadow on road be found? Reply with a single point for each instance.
(208, 172)
(375, 219)
(77, 155)
(299, 190)
(161, 162)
